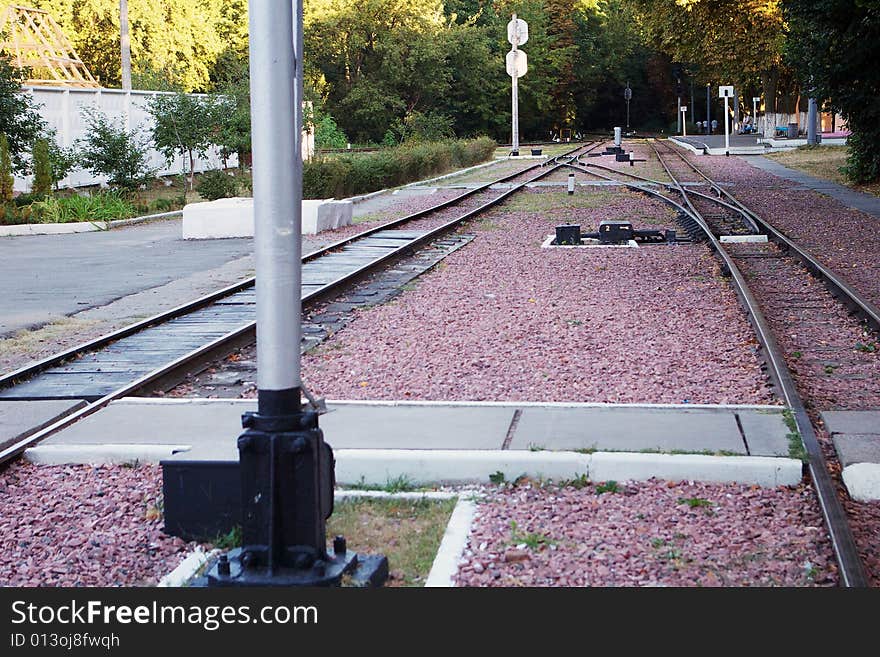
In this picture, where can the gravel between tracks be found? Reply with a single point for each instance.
(503, 319)
(83, 526)
(651, 533)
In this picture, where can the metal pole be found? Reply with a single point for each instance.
(514, 102)
(684, 130)
(678, 111)
(726, 128)
(124, 45)
(277, 184)
(812, 117)
(286, 468)
(708, 109)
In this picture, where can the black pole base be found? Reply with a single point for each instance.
(514, 153)
(358, 570)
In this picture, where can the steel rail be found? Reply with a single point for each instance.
(26, 371)
(852, 571)
(18, 448)
(848, 295)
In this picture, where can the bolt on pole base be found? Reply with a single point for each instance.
(362, 571)
(287, 483)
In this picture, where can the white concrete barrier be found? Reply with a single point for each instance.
(234, 217)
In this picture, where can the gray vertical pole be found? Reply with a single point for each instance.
(124, 45)
(735, 109)
(708, 109)
(277, 182)
(812, 118)
(726, 127)
(514, 93)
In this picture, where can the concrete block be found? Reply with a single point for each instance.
(765, 431)
(378, 466)
(861, 422)
(857, 448)
(862, 480)
(234, 217)
(100, 454)
(760, 470)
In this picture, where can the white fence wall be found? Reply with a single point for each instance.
(62, 110)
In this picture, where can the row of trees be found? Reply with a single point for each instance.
(383, 70)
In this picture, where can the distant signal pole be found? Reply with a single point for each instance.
(517, 65)
(627, 94)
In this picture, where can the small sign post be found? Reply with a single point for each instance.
(684, 130)
(517, 65)
(755, 101)
(725, 93)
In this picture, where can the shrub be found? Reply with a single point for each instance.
(328, 134)
(113, 151)
(6, 179)
(105, 206)
(216, 184)
(347, 175)
(42, 185)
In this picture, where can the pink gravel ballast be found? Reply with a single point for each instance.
(83, 526)
(503, 319)
(652, 533)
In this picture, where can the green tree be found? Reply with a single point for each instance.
(834, 46)
(184, 125)
(20, 122)
(6, 179)
(42, 185)
(328, 134)
(178, 39)
(112, 151)
(733, 42)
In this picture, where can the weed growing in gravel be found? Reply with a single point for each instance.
(694, 502)
(229, 540)
(498, 477)
(532, 540)
(607, 487)
(399, 484)
(580, 481)
(796, 354)
(868, 348)
(829, 369)
(796, 448)
(536, 448)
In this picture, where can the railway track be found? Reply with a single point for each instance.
(709, 218)
(155, 353)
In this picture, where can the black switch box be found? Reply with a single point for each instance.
(568, 234)
(614, 232)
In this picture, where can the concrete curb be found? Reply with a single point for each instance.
(452, 545)
(100, 454)
(445, 466)
(862, 480)
(187, 568)
(80, 226)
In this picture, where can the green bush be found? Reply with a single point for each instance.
(105, 206)
(328, 134)
(349, 175)
(6, 179)
(111, 150)
(216, 184)
(42, 185)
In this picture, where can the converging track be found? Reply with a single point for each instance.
(708, 218)
(155, 353)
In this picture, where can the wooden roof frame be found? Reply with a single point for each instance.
(33, 40)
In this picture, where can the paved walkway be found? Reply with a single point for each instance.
(849, 197)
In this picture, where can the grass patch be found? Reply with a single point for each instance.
(532, 540)
(695, 502)
(546, 201)
(822, 162)
(796, 449)
(31, 342)
(408, 532)
(401, 484)
(607, 487)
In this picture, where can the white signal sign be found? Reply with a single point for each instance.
(517, 63)
(517, 32)
(684, 108)
(725, 92)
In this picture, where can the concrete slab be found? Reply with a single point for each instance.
(211, 427)
(629, 429)
(852, 422)
(857, 448)
(765, 431)
(19, 419)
